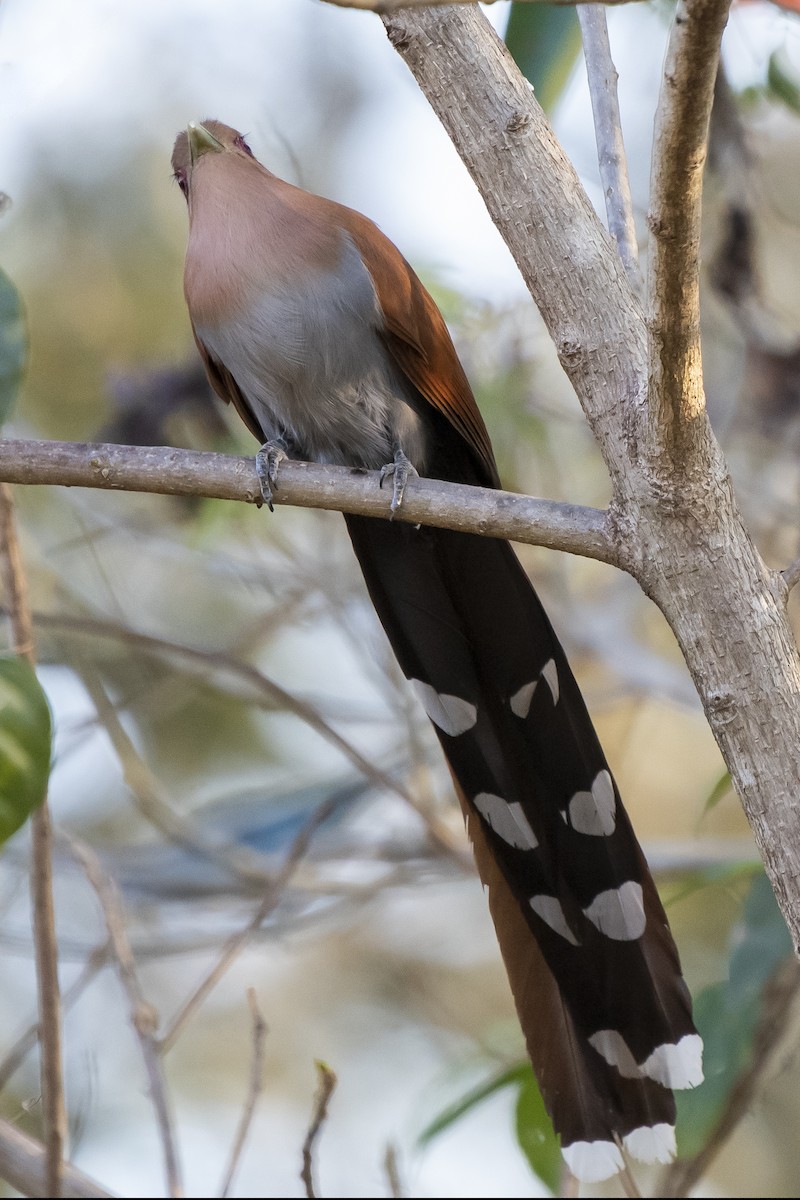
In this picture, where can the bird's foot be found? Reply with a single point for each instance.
(268, 460)
(400, 471)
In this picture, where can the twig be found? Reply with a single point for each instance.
(791, 576)
(23, 1164)
(679, 154)
(26, 1042)
(393, 1172)
(237, 941)
(143, 1016)
(255, 1088)
(777, 1008)
(167, 472)
(611, 158)
(325, 1085)
(54, 1111)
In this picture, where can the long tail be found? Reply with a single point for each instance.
(593, 968)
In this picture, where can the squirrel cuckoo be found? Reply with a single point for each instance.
(312, 324)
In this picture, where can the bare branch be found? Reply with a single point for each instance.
(392, 1169)
(144, 1018)
(165, 471)
(254, 1090)
(23, 1164)
(54, 1111)
(237, 941)
(679, 154)
(602, 75)
(325, 1086)
(791, 576)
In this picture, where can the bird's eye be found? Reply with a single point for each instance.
(180, 177)
(242, 145)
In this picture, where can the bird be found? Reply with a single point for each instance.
(312, 324)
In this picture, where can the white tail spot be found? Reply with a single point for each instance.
(651, 1143)
(619, 912)
(521, 701)
(507, 820)
(616, 1051)
(676, 1064)
(551, 912)
(451, 714)
(595, 812)
(550, 674)
(592, 1161)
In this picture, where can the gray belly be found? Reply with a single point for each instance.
(311, 364)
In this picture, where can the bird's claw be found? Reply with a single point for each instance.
(268, 460)
(401, 471)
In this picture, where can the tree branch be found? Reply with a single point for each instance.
(602, 76)
(678, 532)
(165, 471)
(676, 394)
(23, 1165)
(54, 1112)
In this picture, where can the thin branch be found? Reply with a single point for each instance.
(791, 576)
(54, 1112)
(611, 158)
(679, 155)
(254, 1090)
(23, 1164)
(144, 1018)
(237, 941)
(325, 1086)
(392, 1169)
(169, 472)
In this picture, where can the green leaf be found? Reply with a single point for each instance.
(727, 1014)
(545, 41)
(719, 791)
(782, 79)
(454, 1112)
(537, 1139)
(25, 736)
(13, 345)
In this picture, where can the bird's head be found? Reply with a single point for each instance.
(201, 143)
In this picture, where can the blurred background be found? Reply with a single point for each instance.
(216, 673)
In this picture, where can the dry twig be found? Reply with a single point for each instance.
(602, 75)
(325, 1086)
(254, 1090)
(54, 1111)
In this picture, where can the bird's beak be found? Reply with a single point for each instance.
(201, 141)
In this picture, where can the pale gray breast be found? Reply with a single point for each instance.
(311, 364)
